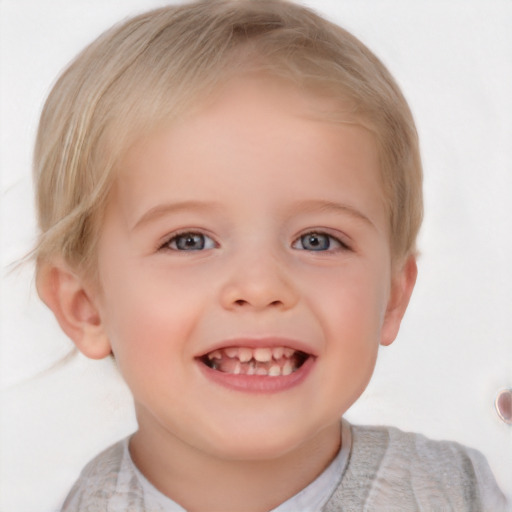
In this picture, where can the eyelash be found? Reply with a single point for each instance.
(167, 245)
(340, 245)
(206, 242)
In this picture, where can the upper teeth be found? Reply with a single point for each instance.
(260, 354)
(263, 355)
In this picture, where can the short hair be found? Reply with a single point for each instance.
(154, 67)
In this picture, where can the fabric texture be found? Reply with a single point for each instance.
(379, 469)
(390, 470)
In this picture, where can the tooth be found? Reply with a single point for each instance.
(251, 370)
(274, 371)
(277, 353)
(244, 354)
(287, 368)
(261, 371)
(237, 369)
(262, 355)
(231, 352)
(215, 355)
(288, 352)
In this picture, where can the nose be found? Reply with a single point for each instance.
(258, 283)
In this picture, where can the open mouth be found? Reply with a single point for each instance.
(263, 361)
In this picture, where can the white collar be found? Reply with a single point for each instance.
(313, 497)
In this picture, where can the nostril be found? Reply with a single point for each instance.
(242, 302)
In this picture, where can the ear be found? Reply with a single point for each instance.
(402, 285)
(66, 294)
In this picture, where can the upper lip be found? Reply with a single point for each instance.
(258, 342)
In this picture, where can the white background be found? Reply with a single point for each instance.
(454, 63)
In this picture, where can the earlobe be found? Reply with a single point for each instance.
(65, 293)
(401, 290)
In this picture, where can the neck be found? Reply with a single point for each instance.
(202, 482)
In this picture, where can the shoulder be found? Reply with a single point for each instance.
(389, 466)
(104, 479)
(393, 449)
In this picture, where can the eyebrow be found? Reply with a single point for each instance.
(307, 206)
(320, 206)
(161, 210)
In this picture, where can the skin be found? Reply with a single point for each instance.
(251, 172)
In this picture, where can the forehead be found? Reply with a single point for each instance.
(250, 125)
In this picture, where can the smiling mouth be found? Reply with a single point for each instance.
(262, 361)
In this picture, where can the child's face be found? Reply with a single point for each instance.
(250, 224)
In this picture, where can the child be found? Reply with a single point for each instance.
(229, 194)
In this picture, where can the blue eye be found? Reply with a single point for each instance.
(190, 241)
(316, 241)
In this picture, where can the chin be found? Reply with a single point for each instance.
(260, 441)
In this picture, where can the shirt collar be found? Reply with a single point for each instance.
(313, 497)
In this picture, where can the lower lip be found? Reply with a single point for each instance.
(259, 383)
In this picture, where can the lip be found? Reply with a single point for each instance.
(259, 383)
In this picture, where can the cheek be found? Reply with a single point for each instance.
(349, 301)
(147, 344)
(147, 319)
(349, 304)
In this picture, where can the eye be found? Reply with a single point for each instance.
(317, 241)
(189, 241)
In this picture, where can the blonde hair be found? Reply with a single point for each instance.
(156, 66)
